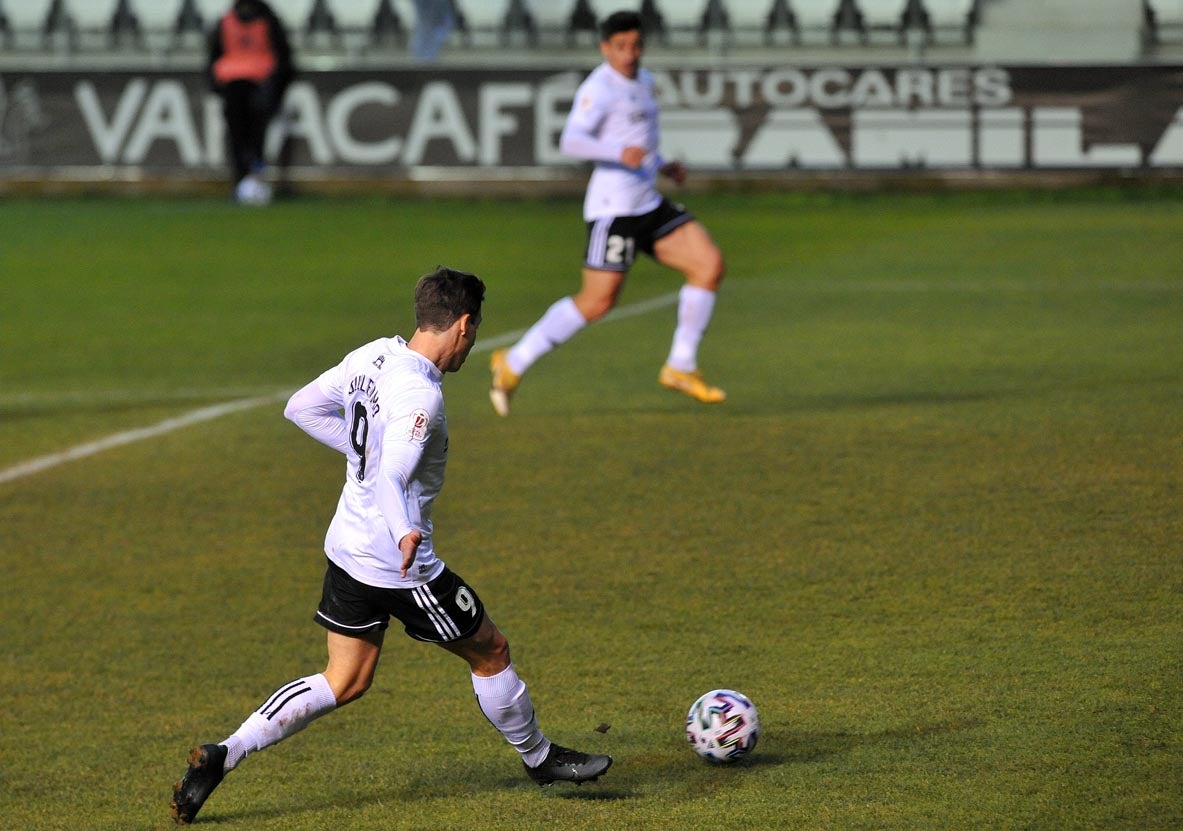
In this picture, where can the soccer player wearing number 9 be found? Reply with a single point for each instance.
(382, 407)
(614, 123)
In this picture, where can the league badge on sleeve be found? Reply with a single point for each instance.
(417, 425)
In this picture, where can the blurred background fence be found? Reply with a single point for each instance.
(112, 91)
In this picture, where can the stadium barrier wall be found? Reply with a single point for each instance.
(466, 124)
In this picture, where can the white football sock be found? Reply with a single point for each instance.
(557, 326)
(505, 701)
(289, 710)
(695, 307)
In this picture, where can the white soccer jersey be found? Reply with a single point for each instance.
(383, 407)
(612, 112)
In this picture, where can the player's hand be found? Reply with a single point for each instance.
(408, 545)
(632, 157)
(675, 171)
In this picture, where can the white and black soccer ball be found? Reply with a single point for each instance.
(722, 725)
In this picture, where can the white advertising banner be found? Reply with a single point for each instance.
(755, 119)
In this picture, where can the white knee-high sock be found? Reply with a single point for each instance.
(505, 701)
(289, 710)
(557, 326)
(695, 307)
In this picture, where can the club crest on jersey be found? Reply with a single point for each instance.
(417, 425)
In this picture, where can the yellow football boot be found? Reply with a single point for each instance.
(690, 383)
(505, 381)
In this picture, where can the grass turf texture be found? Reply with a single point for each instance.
(933, 533)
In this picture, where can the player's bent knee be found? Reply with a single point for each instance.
(716, 274)
(486, 650)
(492, 653)
(497, 650)
(709, 274)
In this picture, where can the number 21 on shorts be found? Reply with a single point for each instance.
(620, 250)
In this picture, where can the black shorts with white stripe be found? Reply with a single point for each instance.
(614, 241)
(446, 609)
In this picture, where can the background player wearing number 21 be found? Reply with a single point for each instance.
(382, 407)
(614, 122)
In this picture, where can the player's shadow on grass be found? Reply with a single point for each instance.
(812, 747)
(791, 748)
(594, 792)
(475, 779)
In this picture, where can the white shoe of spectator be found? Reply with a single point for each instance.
(252, 190)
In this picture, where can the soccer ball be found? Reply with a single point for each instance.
(722, 725)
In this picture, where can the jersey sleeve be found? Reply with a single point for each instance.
(315, 408)
(415, 415)
(581, 132)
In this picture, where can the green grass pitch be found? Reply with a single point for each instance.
(934, 533)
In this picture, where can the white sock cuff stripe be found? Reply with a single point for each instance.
(696, 293)
(571, 312)
(502, 683)
(322, 691)
(282, 696)
(315, 686)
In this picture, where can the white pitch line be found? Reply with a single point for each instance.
(170, 425)
(631, 310)
(128, 436)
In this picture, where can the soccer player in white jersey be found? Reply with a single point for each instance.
(614, 122)
(383, 408)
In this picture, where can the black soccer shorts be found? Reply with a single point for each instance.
(446, 609)
(613, 241)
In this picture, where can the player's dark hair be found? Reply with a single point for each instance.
(444, 295)
(618, 22)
